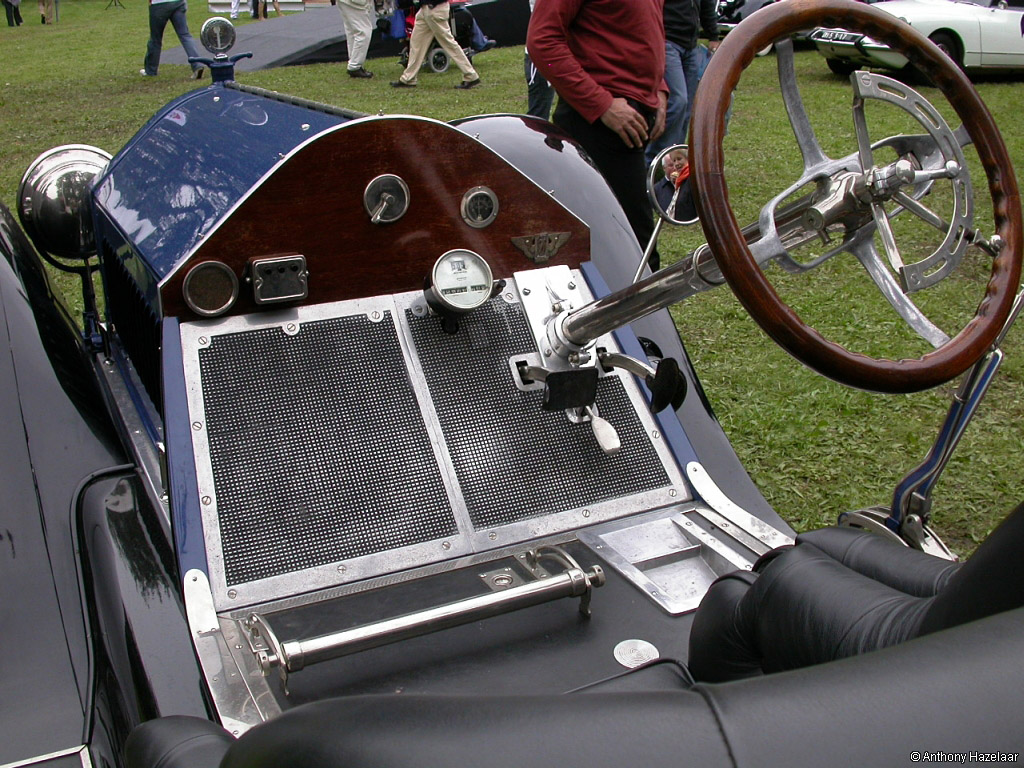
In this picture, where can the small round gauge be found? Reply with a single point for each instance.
(479, 207)
(461, 280)
(386, 198)
(217, 35)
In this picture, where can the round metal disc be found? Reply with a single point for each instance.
(634, 653)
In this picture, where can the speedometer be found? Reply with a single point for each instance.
(461, 280)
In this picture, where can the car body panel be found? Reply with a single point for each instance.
(988, 37)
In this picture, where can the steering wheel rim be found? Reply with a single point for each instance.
(734, 257)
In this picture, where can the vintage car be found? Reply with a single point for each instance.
(361, 400)
(976, 34)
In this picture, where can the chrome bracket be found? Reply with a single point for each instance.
(764, 536)
(240, 703)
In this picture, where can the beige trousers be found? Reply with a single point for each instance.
(432, 22)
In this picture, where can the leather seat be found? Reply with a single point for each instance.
(841, 592)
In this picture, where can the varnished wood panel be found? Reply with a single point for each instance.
(313, 205)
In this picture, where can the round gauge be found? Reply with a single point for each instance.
(217, 35)
(461, 280)
(210, 288)
(386, 198)
(479, 207)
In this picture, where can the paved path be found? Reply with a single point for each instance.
(283, 40)
(317, 34)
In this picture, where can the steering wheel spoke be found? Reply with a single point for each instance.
(866, 253)
(859, 197)
(806, 139)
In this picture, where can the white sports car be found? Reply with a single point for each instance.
(981, 34)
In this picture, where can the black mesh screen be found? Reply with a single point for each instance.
(318, 449)
(513, 460)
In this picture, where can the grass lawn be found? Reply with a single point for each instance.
(815, 448)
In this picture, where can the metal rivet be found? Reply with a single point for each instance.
(572, 286)
(342, 569)
(446, 545)
(197, 425)
(291, 327)
(526, 291)
(376, 315)
(492, 536)
(672, 493)
(232, 594)
(547, 353)
(207, 500)
(305, 126)
(655, 434)
(586, 513)
(203, 340)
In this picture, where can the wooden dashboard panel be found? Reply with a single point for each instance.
(312, 204)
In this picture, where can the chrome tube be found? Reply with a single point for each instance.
(293, 655)
(696, 273)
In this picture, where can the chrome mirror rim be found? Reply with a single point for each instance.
(655, 174)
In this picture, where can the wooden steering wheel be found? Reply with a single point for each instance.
(741, 267)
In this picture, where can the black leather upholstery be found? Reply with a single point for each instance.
(952, 690)
(176, 742)
(841, 592)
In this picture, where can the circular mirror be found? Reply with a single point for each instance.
(669, 185)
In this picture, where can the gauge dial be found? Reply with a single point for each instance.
(479, 207)
(461, 280)
(217, 35)
(386, 198)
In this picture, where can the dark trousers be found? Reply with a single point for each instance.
(624, 168)
(539, 93)
(13, 14)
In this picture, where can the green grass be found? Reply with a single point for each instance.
(815, 448)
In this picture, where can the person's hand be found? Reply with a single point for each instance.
(659, 117)
(627, 122)
(713, 45)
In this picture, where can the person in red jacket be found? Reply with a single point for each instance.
(606, 60)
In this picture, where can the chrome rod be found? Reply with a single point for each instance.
(293, 655)
(696, 273)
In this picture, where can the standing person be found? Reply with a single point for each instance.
(46, 11)
(606, 60)
(263, 8)
(160, 12)
(432, 22)
(13, 12)
(355, 16)
(683, 60)
(539, 93)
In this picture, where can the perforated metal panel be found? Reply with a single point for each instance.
(513, 460)
(318, 450)
(340, 442)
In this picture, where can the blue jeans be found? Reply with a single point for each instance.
(159, 15)
(682, 74)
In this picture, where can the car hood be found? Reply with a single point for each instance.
(915, 11)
